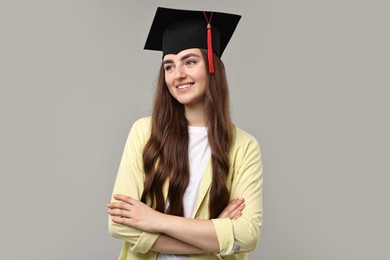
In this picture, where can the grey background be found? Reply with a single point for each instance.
(309, 79)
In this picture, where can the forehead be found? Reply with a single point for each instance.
(183, 54)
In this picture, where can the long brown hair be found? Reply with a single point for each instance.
(165, 155)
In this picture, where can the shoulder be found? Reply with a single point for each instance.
(140, 130)
(245, 149)
(143, 123)
(243, 138)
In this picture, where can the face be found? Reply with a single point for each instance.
(186, 77)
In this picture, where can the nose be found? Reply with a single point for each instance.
(180, 72)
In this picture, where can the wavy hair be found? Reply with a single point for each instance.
(165, 155)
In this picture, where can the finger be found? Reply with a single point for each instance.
(234, 204)
(124, 198)
(119, 220)
(236, 211)
(237, 216)
(124, 221)
(226, 211)
(119, 205)
(119, 213)
(231, 208)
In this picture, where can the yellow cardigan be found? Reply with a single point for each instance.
(245, 180)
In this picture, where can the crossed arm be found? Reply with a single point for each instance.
(132, 220)
(199, 235)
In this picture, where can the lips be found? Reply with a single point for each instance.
(184, 86)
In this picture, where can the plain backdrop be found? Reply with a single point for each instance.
(308, 78)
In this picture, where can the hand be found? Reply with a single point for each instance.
(133, 213)
(234, 209)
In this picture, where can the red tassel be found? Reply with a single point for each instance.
(210, 49)
(209, 44)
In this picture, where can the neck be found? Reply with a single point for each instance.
(196, 115)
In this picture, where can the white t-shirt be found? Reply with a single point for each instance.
(199, 155)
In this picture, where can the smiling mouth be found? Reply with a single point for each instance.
(185, 86)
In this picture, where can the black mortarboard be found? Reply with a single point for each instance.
(174, 30)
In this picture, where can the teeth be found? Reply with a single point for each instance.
(184, 86)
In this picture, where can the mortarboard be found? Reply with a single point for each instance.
(174, 30)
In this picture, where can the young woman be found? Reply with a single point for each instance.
(189, 185)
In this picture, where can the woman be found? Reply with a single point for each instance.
(189, 184)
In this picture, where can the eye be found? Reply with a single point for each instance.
(191, 62)
(168, 68)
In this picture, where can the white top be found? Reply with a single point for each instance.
(199, 155)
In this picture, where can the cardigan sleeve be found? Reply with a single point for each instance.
(130, 182)
(243, 234)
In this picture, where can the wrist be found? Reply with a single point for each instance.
(167, 222)
(161, 223)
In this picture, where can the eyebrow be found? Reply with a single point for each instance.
(182, 58)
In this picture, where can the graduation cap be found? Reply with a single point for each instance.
(174, 30)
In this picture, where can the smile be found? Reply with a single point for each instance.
(184, 86)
